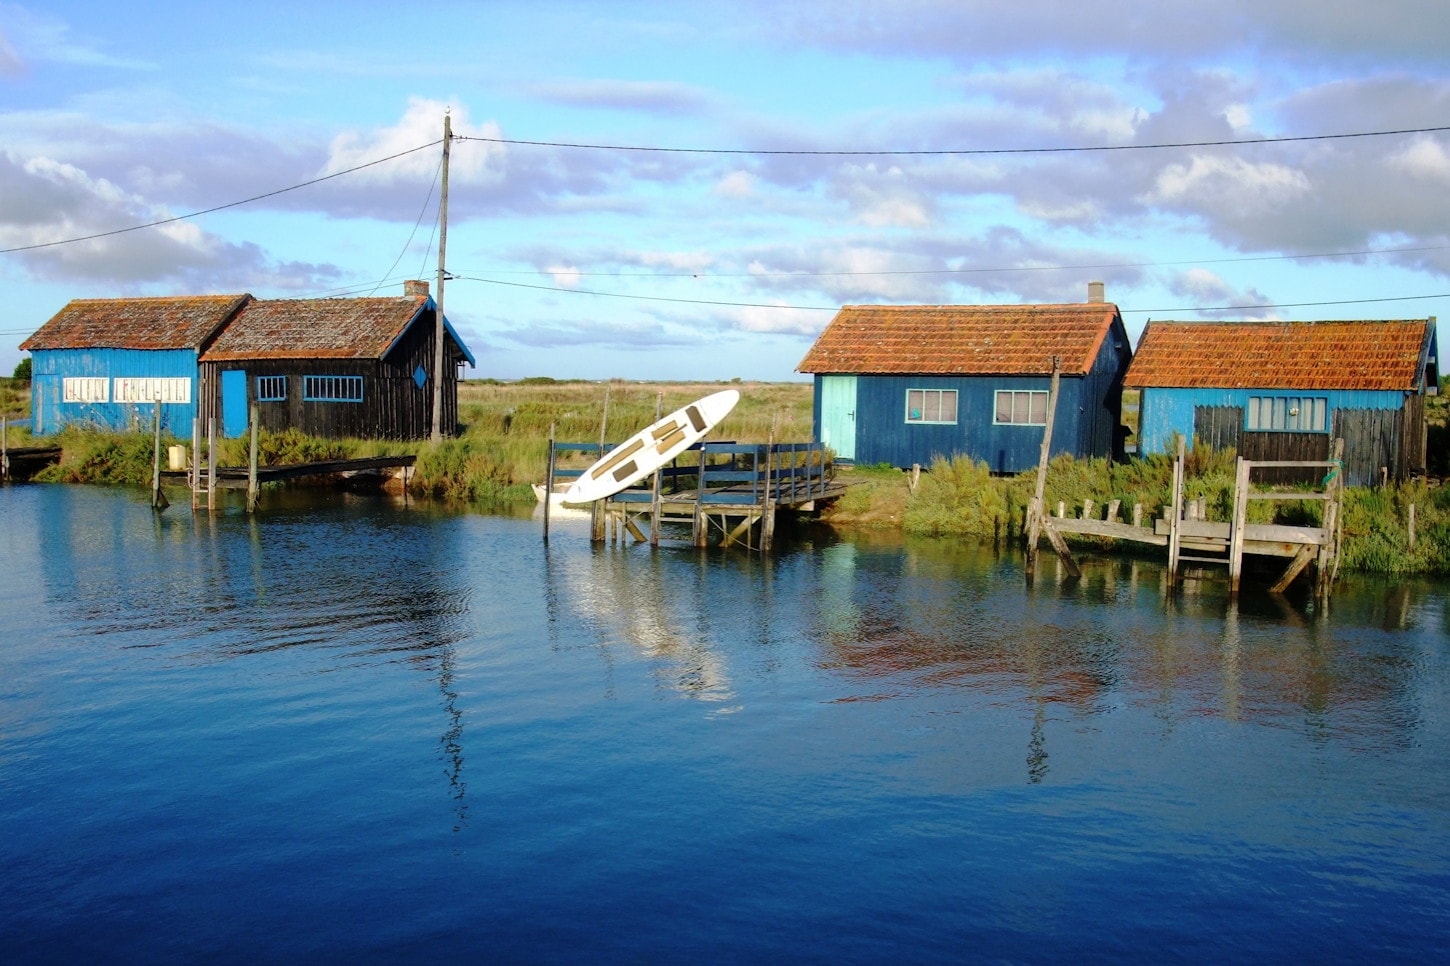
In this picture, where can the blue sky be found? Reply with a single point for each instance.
(578, 261)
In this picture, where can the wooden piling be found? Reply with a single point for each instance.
(549, 483)
(158, 499)
(211, 464)
(253, 490)
(1035, 508)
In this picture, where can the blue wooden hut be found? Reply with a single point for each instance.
(1283, 390)
(902, 384)
(105, 362)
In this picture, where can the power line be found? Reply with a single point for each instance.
(991, 270)
(835, 308)
(897, 152)
(1288, 305)
(207, 211)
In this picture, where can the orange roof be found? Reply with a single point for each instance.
(182, 322)
(1282, 355)
(344, 328)
(971, 340)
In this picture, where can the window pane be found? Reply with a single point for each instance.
(1004, 406)
(933, 405)
(1317, 422)
(949, 406)
(913, 404)
(1039, 409)
(1019, 407)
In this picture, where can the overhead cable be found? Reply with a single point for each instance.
(230, 204)
(947, 152)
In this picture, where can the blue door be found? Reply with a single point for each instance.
(838, 415)
(234, 402)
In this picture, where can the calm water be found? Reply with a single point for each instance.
(351, 731)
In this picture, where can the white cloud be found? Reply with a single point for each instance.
(1227, 182)
(421, 123)
(797, 321)
(736, 184)
(565, 276)
(1423, 158)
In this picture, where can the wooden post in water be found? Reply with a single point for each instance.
(1175, 517)
(211, 464)
(1035, 509)
(597, 509)
(1410, 534)
(158, 499)
(193, 472)
(549, 483)
(654, 506)
(767, 521)
(1243, 469)
(699, 525)
(252, 488)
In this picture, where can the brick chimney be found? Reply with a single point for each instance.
(414, 288)
(1095, 291)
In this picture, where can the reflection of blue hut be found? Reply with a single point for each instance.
(901, 384)
(1283, 390)
(105, 362)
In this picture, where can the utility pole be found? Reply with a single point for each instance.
(438, 354)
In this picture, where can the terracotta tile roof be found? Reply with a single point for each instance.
(184, 322)
(343, 328)
(961, 339)
(1281, 355)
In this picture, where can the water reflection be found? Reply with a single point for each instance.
(655, 602)
(901, 616)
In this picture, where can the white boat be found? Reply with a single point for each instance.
(651, 448)
(556, 499)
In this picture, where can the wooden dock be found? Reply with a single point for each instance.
(239, 477)
(726, 490)
(1190, 538)
(23, 462)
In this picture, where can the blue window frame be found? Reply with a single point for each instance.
(931, 405)
(271, 388)
(1287, 414)
(348, 389)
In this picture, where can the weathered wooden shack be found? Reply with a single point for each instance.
(359, 367)
(1283, 390)
(105, 362)
(902, 384)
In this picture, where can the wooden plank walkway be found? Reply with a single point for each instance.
(1225, 542)
(238, 477)
(734, 491)
(23, 462)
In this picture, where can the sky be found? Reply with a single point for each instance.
(689, 190)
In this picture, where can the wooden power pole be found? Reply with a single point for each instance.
(438, 354)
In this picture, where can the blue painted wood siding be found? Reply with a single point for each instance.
(1088, 412)
(50, 367)
(1164, 412)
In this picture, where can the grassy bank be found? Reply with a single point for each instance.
(504, 446)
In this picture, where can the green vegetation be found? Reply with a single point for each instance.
(22, 370)
(504, 447)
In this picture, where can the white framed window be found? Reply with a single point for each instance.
(85, 389)
(148, 389)
(1021, 407)
(1287, 414)
(332, 388)
(931, 405)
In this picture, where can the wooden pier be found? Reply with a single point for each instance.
(1190, 538)
(731, 491)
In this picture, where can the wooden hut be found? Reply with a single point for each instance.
(359, 367)
(105, 362)
(1283, 390)
(902, 384)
